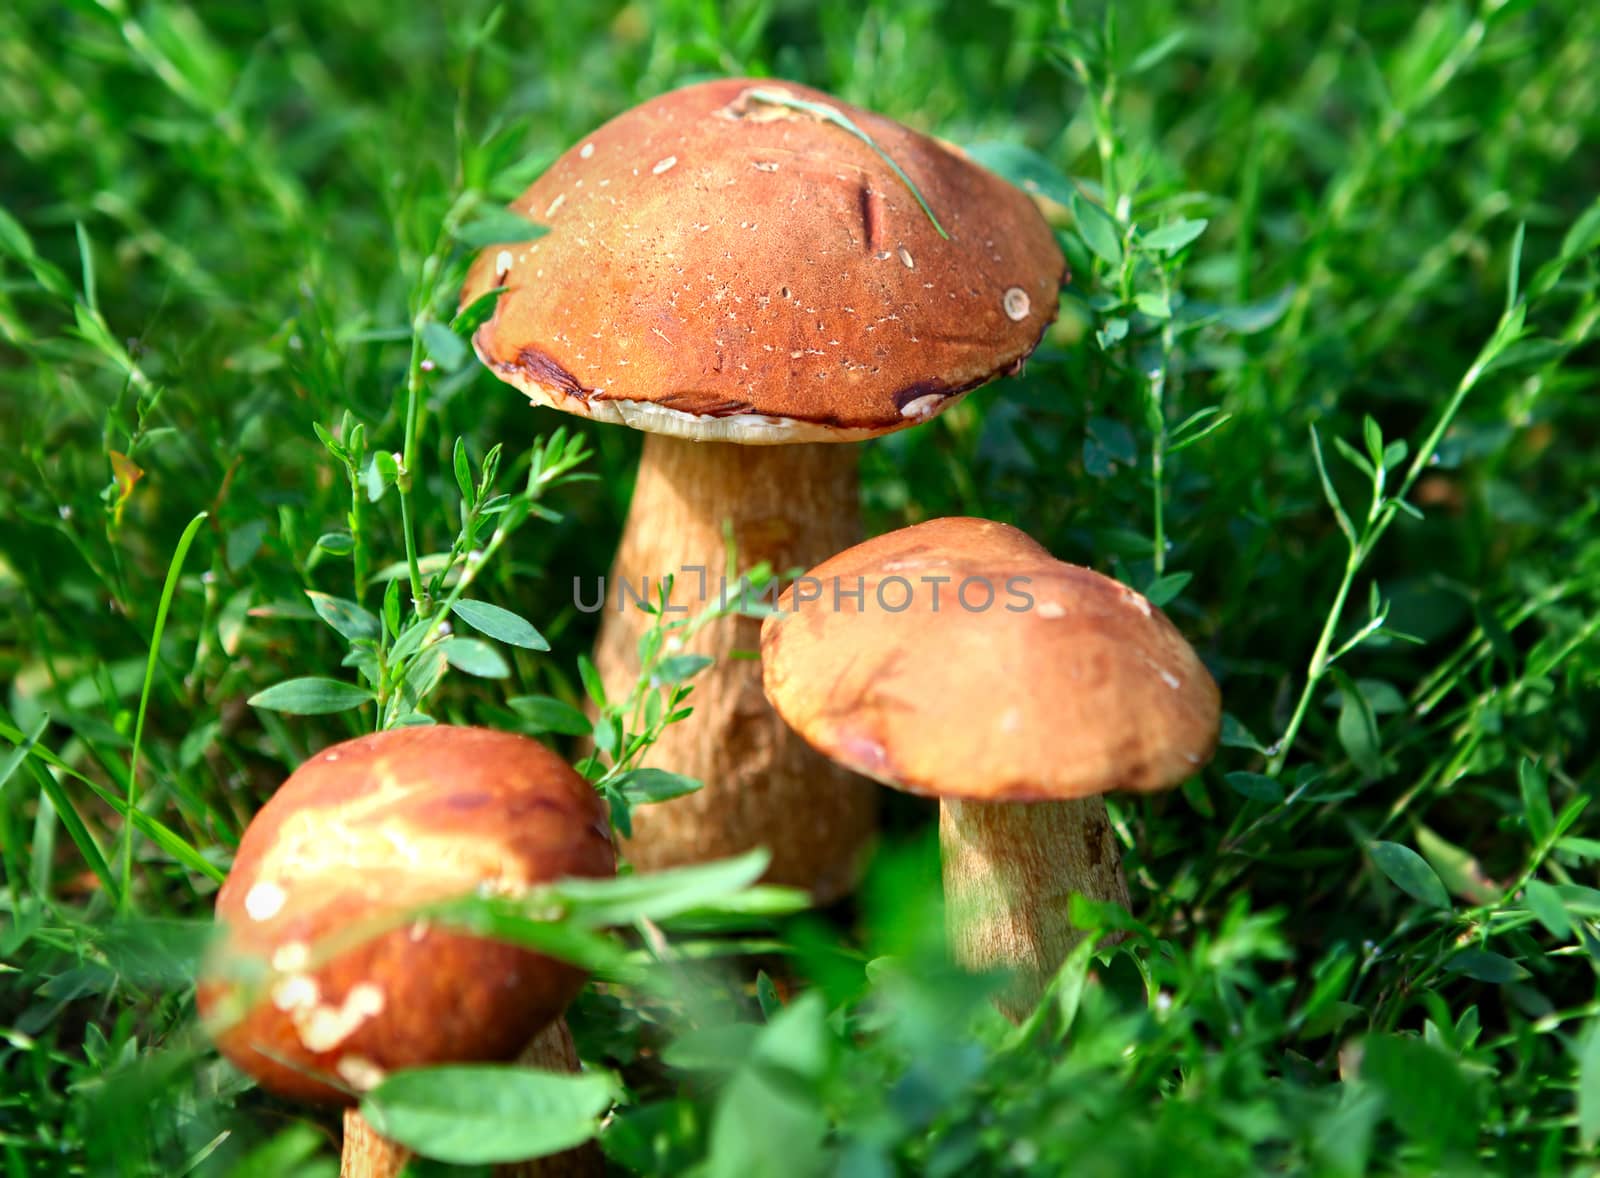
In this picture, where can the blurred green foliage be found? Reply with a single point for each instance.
(1364, 940)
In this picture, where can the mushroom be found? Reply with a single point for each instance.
(731, 269)
(957, 659)
(358, 836)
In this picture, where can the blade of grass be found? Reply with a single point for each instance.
(174, 570)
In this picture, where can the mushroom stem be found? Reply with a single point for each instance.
(367, 1154)
(789, 505)
(1009, 868)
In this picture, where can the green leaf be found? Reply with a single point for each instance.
(678, 667)
(338, 543)
(1153, 305)
(498, 623)
(658, 895)
(476, 313)
(1236, 736)
(348, 618)
(1024, 167)
(1589, 1087)
(1255, 786)
(1545, 903)
(1172, 238)
(1486, 966)
(546, 714)
(1164, 590)
(494, 225)
(479, 1114)
(1358, 732)
(644, 786)
(475, 657)
(1424, 1089)
(1098, 230)
(310, 696)
(444, 346)
(1536, 809)
(1410, 872)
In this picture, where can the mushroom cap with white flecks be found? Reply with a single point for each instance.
(957, 658)
(722, 266)
(319, 984)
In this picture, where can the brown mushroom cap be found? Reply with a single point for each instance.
(1066, 684)
(366, 830)
(724, 268)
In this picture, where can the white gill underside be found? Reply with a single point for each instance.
(748, 429)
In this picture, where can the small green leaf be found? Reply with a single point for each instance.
(1536, 809)
(494, 225)
(1153, 305)
(1410, 872)
(643, 786)
(1236, 736)
(546, 714)
(498, 623)
(1255, 786)
(1486, 966)
(479, 1114)
(1589, 1087)
(461, 466)
(1098, 230)
(1164, 590)
(310, 696)
(475, 657)
(1545, 903)
(476, 313)
(444, 346)
(1358, 732)
(338, 543)
(678, 667)
(1172, 238)
(351, 621)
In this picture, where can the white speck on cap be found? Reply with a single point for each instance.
(586, 151)
(360, 1072)
(1052, 609)
(291, 956)
(264, 900)
(663, 165)
(502, 263)
(1016, 303)
(907, 259)
(296, 992)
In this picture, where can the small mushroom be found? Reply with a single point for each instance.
(749, 283)
(957, 659)
(358, 836)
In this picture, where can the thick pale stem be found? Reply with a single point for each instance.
(369, 1155)
(366, 1154)
(791, 506)
(1009, 870)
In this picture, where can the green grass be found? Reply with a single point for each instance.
(1366, 939)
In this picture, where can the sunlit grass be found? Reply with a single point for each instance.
(1324, 386)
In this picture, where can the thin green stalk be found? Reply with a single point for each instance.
(174, 570)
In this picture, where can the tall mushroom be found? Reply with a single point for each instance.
(733, 269)
(957, 659)
(362, 833)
